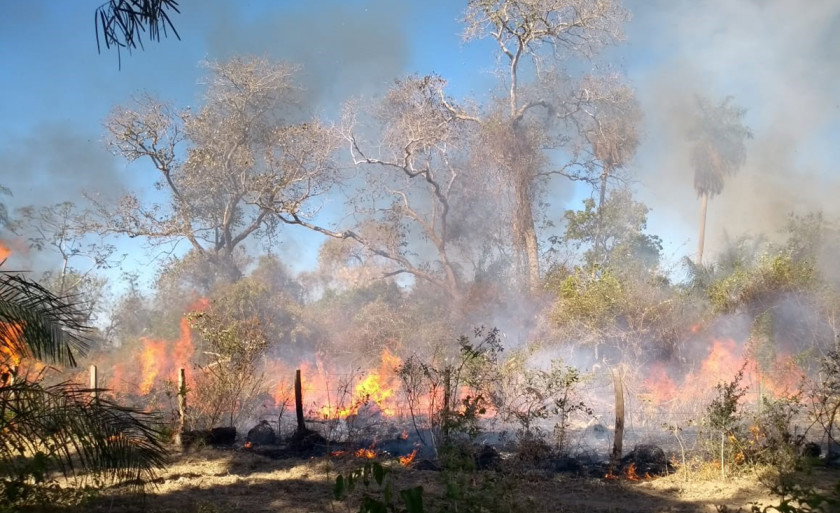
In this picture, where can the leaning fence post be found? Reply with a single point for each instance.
(94, 384)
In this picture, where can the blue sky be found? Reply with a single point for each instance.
(777, 59)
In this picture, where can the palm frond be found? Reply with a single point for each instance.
(67, 429)
(36, 323)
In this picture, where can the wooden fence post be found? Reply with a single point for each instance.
(182, 402)
(94, 382)
(618, 384)
(301, 425)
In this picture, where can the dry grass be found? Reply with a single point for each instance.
(213, 481)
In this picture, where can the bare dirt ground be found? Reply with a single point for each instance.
(216, 481)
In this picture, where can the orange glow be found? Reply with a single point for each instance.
(4, 251)
(660, 386)
(631, 472)
(9, 344)
(407, 459)
(366, 453)
(695, 328)
(151, 359)
(322, 388)
(158, 361)
(337, 454)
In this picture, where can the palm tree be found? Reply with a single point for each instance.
(718, 151)
(64, 426)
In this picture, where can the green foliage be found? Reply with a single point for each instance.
(528, 396)
(722, 413)
(623, 243)
(594, 298)
(772, 276)
(381, 498)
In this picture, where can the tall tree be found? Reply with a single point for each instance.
(230, 171)
(611, 129)
(420, 207)
(718, 135)
(531, 36)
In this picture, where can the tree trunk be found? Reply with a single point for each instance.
(701, 238)
(599, 243)
(525, 235)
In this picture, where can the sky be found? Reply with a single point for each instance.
(777, 58)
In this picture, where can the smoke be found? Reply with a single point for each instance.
(54, 163)
(777, 59)
(345, 48)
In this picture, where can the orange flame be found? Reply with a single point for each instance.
(377, 387)
(365, 453)
(151, 358)
(4, 252)
(9, 342)
(408, 459)
(631, 472)
(159, 360)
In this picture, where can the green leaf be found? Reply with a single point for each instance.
(378, 473)
(388, 493)
(371, 505)
(338, 488)
(413, 499)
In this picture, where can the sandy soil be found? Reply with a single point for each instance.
(216, 481)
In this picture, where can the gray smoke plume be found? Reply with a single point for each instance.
(345, 48)
(778, 59)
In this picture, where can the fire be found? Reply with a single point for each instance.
(366, 453)
(660, 386)
(322, 387)
(9, 344)
(159, 360)
(408, 459)
(4, 252)
(631, 472)
(153, 355)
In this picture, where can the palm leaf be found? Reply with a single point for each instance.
(36, 323)
(75, 433)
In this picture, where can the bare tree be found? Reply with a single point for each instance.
(419, 190)
(230, 171)
(718, 151)
(532, 35)
(59, 229)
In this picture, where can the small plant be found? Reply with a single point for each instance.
(725, 420)
(380, 498)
